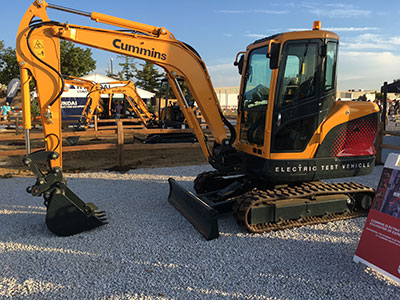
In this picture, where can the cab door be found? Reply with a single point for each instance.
(298, 100)
(255, 96)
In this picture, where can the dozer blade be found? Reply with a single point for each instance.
(202, 216)
(69, 215)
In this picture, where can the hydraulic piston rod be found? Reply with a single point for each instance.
(70, 10)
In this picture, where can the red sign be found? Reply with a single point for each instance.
(379, 246)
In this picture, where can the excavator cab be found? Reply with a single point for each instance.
(301, 99)
(288, 116)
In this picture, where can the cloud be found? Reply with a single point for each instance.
(341, 13)
(362, 46)
(228, 35)
(255, 35)
(267, 32)
(372, 41)
(338, 29)
(335, 10)
(366, 70)
(224, 75)
(255, 11)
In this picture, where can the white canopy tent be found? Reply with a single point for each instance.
(73, 99)
(102, 79)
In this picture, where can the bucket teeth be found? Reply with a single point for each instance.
(101, 216)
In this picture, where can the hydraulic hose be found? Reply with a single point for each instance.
(230, 127)
(33, 26)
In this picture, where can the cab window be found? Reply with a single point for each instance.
(330, 65)
(255, 97)
(300, 71)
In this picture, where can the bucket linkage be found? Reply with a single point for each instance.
(66, 214)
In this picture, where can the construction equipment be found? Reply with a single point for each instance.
(137, 107)
(81, 82)
(290, 132)
(169, 112)
(88, 86)
(94, 103)
(131, 96)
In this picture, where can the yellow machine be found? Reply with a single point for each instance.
(136, 104)
(171, 116)
(94, 102)
(290, 132)
(86, 84)
(77, 81)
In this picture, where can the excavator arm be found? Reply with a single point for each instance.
(38, 55)
(38, 52)
(90, 86)
(77, 81)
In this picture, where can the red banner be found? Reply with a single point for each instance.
(379, 246)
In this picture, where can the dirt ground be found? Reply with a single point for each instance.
(75, 162)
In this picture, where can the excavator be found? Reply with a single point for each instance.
(132, 97)
(290, 132)
(136, 105)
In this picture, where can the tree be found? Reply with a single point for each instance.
(128, 69)
(76, 61)
(9, 68)
(148, 78)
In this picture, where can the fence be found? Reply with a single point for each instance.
(116, 131)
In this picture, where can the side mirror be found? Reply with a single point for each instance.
(239, 63)
(273, 55)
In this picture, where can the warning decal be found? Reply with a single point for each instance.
(38, 48)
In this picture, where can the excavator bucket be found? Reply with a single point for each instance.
(66, 214)
(202, 216)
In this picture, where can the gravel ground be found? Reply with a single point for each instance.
(149, 251)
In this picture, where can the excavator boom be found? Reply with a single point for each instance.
(147, 42)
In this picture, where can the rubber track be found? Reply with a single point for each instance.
(305, 190)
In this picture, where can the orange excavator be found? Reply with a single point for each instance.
(290, 131)
(128, 89)
(94, 103)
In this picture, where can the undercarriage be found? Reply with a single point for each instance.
(265, 208)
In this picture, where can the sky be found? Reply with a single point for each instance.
(369, 31)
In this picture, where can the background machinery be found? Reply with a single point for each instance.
(133, 106)
(131, 97)
(290, 132)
